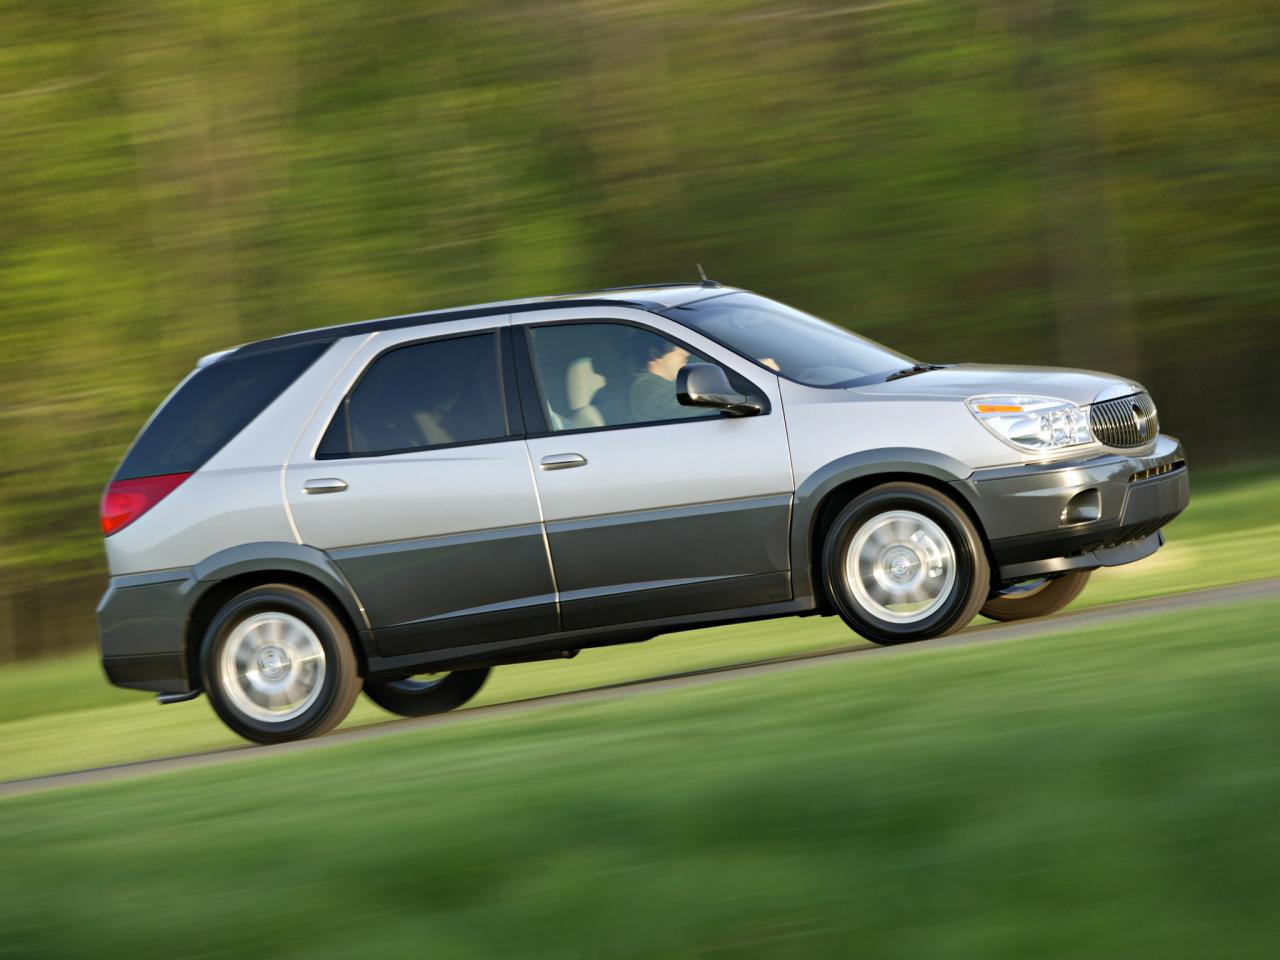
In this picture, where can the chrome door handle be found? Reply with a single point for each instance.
(563, 461)
(324, 485)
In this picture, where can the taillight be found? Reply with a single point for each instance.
(126, 500)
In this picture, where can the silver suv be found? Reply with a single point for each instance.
(399, 505)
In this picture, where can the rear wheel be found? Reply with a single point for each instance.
(278, 665)
(903, 562)
(1036, 598)
(423, 696)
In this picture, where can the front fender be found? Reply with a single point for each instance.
(813, 491)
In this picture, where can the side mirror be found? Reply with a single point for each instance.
(706, 385)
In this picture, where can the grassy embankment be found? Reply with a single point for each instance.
(61, 714)
(1105, 792)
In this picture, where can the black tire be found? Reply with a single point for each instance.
(337, 691)
(1049, 597)
(957, 606)
(421, 698)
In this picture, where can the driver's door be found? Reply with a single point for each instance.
(651, 518)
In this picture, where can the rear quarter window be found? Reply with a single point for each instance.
(213, 405)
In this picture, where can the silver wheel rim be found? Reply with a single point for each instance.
(900, 566)
(272, 667)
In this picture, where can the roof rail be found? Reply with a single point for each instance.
(650, 286)
(337, 331)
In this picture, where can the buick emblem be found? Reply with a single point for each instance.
(1139, 422)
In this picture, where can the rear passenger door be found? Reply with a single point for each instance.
(414, 478)
(652, 509)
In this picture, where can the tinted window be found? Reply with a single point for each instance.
(609, 374)
(796, 345)
(424, 395)
(212, 406)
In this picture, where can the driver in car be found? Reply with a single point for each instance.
(653, 391)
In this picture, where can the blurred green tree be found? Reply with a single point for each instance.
(1069, 181)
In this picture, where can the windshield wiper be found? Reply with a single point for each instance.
(912, 371)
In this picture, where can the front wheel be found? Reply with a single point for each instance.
(421, 697)
(1037, 598)
(903, 562)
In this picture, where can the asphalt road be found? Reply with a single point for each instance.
(985, 633)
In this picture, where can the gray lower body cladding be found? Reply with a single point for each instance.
(490, 585)
(671, 562)
(496, 585)
(487, 589)
(142, 623)
(1079, 516)
(144, 619)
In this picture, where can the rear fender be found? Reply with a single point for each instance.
(294, 558)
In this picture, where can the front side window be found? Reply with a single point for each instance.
(609, 374)
(431, 394)
(794, 344)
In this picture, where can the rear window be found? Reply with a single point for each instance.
(212, 406)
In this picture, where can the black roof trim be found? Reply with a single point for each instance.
(330, 334)
(659, 286)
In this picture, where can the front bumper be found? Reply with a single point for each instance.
(142, 623)
(1051, 518)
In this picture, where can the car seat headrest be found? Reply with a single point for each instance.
(582, 383)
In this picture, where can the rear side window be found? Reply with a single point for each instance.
(433, 394)
(213, 405)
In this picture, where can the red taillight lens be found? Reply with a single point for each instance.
(126, 500)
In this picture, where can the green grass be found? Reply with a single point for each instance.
(62, 714)
(1104, 793)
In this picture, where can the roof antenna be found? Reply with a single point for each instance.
(703, 274)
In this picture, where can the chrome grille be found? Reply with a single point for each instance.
(1128, 422)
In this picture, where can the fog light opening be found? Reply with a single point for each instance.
(1082, 508)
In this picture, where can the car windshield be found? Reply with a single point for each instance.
(791, 343)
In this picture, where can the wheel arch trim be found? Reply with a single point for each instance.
(813, 493)
(296, 558)
(270, 557)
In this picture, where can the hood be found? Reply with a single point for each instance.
(965, 380)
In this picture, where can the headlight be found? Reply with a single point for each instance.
(1033, 423)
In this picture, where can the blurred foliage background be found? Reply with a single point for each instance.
(1076, 182)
